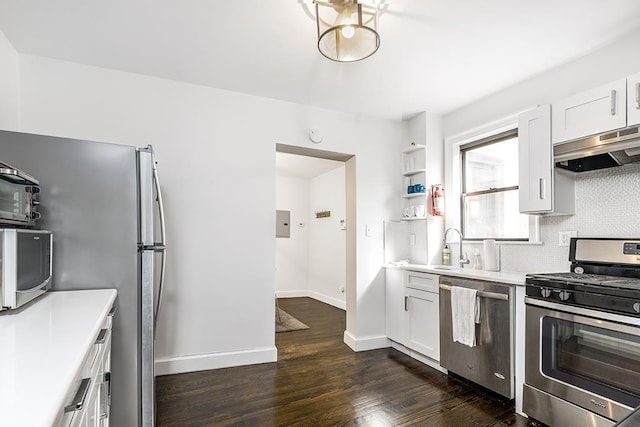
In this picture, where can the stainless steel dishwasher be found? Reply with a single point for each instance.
(490, 362)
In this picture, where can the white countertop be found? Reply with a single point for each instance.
(510, 277)
(42, 347)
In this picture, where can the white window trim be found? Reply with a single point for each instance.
(453, 175)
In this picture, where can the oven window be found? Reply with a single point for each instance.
(599, 360)
(10, 198)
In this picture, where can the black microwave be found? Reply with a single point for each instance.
(26, 258)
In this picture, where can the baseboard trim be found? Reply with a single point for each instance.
(315, 295)
(419, 357)
(203, 362)
(371, 342)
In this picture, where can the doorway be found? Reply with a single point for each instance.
(317, 190)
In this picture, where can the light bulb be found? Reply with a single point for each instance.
(348, 31)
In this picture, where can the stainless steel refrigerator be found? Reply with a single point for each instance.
(103, 203)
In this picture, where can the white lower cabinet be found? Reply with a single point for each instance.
(90, 401)
(422, 322)
(412, 311)
(394, 297)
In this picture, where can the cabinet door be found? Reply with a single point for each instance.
(597, 110)
(394, 305)
(104, 400)
(535, 160)
(633, 100)
(93, 407)
(422, 323)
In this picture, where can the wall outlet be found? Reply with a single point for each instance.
(368, 231)
(564, 237)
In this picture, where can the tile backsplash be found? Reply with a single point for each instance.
(607, 205)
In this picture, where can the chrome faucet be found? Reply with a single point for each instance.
(462, 260)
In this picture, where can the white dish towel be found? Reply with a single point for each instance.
(465, 313)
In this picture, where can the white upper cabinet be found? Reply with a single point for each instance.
(590, 112)
(633, 100)
(535, 160)
(543, 189)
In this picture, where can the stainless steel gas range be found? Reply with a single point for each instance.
(582, 363)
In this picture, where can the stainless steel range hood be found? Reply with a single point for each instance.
(607, 150)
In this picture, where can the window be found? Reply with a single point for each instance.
(490, 189)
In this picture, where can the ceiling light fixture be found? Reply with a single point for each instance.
(347, 30)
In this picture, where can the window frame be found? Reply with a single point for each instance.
(463, 149)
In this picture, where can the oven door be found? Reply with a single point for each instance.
(586, 357)
(17, 203)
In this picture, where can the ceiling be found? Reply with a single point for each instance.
(296, 166)
(434, 56)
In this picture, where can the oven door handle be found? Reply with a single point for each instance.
(596, 315)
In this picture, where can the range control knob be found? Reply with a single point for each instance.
(564, 295)
(636, 307)
(545, 292)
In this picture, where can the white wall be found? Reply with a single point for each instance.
(9, 86)
(313, 261)
(607, 64)
(327, 242)
(292, 254)
(216, 151)
(606, 201)
(607, 205)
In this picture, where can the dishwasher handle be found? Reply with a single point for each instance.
(482, 294)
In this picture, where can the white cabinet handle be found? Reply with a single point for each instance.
(613, 102)
(638, 96)
(542, 191)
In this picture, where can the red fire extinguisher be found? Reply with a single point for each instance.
(437, 200)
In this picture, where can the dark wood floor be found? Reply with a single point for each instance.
(319, 381)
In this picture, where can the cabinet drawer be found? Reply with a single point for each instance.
(421, 281)
(97, 349)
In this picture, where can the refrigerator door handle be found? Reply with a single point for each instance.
(156, 183)
(161, 245)
(160, 286)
